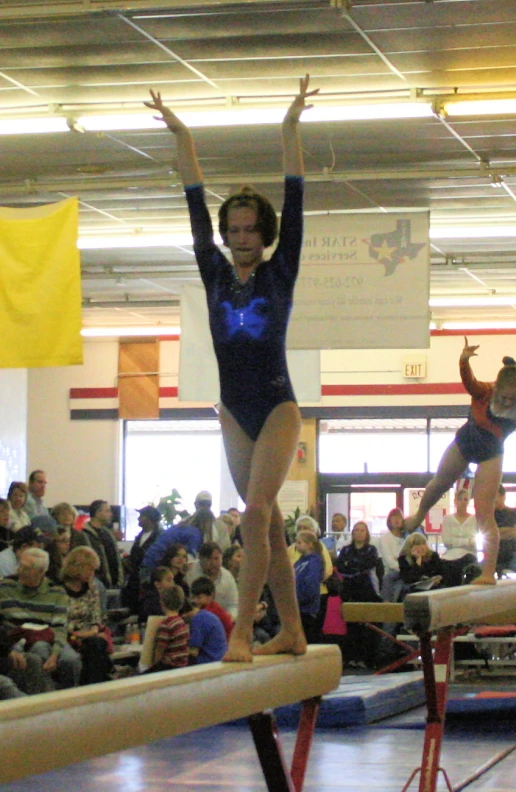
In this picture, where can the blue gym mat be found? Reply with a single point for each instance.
(360, 700)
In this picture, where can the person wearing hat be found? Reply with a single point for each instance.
(26, 537)
(203, 500)
(149, 520)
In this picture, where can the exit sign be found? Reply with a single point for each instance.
(414, 367)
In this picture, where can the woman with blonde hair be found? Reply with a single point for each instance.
(308, 572)
(419, 563)
(86, 632)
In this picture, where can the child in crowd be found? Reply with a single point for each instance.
(308, 571)
(203, 597)
(171, 644)
(207, 642)
(150, 605)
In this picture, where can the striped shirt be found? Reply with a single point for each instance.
(46, 605)
(172, 637)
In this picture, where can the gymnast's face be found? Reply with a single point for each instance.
(243, 238)
(504, 402)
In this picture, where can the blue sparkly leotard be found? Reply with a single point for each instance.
(249, 321)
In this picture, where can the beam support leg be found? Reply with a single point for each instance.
(266, 739)
(305, 733)
(436, 672)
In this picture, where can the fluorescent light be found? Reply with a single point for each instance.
(465, 325)
(32, 126)
(133, 240)
(472, 232)
(479, 107)
(107, 123)
(265, 115)
(367, 112)
(117, 332)
(471, 302)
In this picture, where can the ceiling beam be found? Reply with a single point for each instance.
(51, 186)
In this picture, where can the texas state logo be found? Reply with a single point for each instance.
(393, 247)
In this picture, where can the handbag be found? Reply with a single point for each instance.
(32, 635)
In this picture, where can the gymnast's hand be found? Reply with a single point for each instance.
(298, 105)
(468, 351)
(166, 114)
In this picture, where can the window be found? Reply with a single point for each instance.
(380, 445)
(165, 455)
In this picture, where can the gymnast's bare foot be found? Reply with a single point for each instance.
(484, 580)
(239, 649)
(284, 642)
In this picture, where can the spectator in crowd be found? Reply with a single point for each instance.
(390, 545)
(358, 564)
(505, 519)
(307, 523)
(176, 559)
(32, 671)
(336, 540)
(5, 532)
(419, 564)
(458, 535)
(150, 603)
(237, 517)
(86, 632)
(308, 572)
(65, 515)
(203, 597)
(232, 558)
(191, 533)
(17, 497)
(110, 572)
(63, 542)
(32, 598)
(34, 505)
(171, 643)
(149, 520)
(209, 564)
(207, 642)
(225, 528)
(24, 539)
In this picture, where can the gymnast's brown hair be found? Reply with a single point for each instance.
(266, 220)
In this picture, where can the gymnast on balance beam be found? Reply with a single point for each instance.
(249, 304)
(492, 418)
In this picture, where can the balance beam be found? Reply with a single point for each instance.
(459, 606)
(53, 730)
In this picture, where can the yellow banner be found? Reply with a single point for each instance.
(40, 286)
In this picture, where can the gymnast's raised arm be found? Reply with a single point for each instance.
(187, 162)
(292, 151)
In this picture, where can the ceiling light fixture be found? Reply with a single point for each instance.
(479, 107)
(472, 302)
(471, 232)
(466, 325)
(134, 240)
(264, 115)
(240, 115)
(118, 332)
(33, 126)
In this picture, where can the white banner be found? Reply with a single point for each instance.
(363, 284)
(198, 373)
